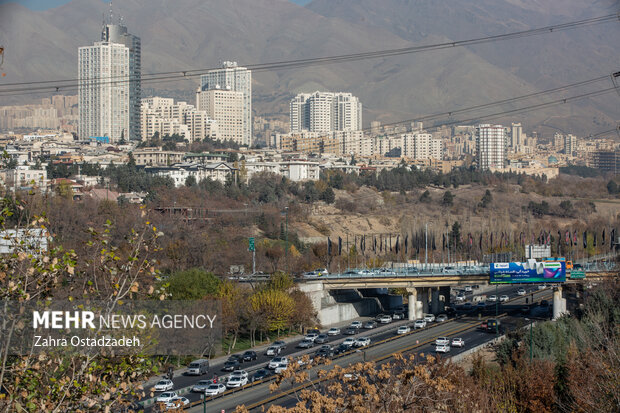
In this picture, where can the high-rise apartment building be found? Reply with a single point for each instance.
(516, 137)
(325, 112)
(490, 146)
(109, 90)
(421, 145)
(164, 116)
(570, 144)
(232, 77)
(227, 108)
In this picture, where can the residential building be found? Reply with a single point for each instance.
(490, 146)
(607, 161)
(109, 86)
(156, 157)
(516, 137)
(226, 108)
(421, 146)
(570, 144)
(164, 116)
(325, 112)
(234, 78)
(219, 171)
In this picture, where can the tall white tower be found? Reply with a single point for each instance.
(234, 78)
(490, 146)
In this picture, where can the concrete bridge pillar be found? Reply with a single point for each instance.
(445, 292)
(435, 304)
(559, 303)
(418, 302)
(423, 299)
(412, 300)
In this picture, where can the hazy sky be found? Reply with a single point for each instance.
(48, 4)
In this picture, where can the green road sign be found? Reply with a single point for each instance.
(577, 274)
(251, 244)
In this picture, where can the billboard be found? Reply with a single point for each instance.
(530, 271)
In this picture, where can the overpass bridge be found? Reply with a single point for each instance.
(428, 287)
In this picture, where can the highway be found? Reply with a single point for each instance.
(465, 323)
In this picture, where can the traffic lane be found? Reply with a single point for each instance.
(255, 394)
(473, 338)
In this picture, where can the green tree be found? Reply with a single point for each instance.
(190, 181)
(426, 197)
(487, 198)
(612, 187)
(328, 196)
(448, 199)
(192, 284)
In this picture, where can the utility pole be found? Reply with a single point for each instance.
(426, 246)
(286, 231)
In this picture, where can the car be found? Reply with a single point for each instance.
(239, 373)
(163, 385)
(362, 342)
(481, 304)
(321, 272)
(442, 341)
(398, 315)
(279, 369)
(214, 389)
(231, 365)
(343, 348)
(273, 350)
(468, 288)
(450, 311)
(458, 342)
(475, 287)
(277, 361)
(419, 324)
(356, 324)
(321, 339)
(202, 385)
(311, 337)
(238, 357)
(370, 324)
(403, 330)
(250, 355)
(166, 397)
(260, 374)
(521, 291)
(429, 318)
(236, 381)
(350, 331)
(312, 331)
(541, 286)
(281, 344)
(467, 306)
(503, 298)
(334, 331)
(442, 349)
(348, 342)
(492, 298)
(323, 353)
(525, 309)
(305, 343)
(310, 274)
(544, 303)
(385, 319)
(198, 367)
(441, 318)
(177, 402)
(305, 359)
(460, 297)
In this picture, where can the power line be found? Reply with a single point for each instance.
(70, 84)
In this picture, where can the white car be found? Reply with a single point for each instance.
(202, 386)
(460, 297)
(429, 318)
(273, 351)
(503, 298)
(277, 361)
(441, 318)
(403, 330)
(236, 381)
(311, 337)
(419, 324)
(280, 368)
(333, 331)
(239, 373)
(442, 341)
(492, 298)
(362, 342)
(166, 397)
(305, 343)
(215, 389)
(348, 342)
(321, 272)
(468, 288)
(458, 342)
(356, 324)
(177, 402)
(385, 319)
(164, 385)
(442, 349)
(541, 286)
(521, 291)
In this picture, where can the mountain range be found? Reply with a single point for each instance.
(195, 34)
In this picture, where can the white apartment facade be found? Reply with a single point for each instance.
(325, 112)
(164, 116)
(490, 146)
(103, 105)
(234, 78)
(421, 145)
(226, 108)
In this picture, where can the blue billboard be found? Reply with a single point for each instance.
(530, 271)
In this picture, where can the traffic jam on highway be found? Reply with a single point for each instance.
(253, 367)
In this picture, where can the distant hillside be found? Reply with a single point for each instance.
(191, 34)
